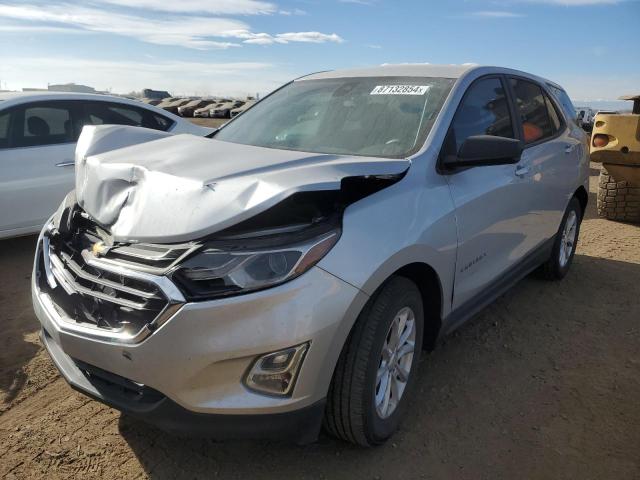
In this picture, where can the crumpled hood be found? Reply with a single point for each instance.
(149, 186)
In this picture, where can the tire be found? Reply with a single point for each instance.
(616, 198)
(352, 412)
(562, 253)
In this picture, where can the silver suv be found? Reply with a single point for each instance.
(289, 272)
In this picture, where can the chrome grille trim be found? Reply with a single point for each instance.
(77, 270)
(66, 271)
(71, 286)
(165, 257)
(163, 283)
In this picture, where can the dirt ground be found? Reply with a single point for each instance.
(209, 122)
(543, 384)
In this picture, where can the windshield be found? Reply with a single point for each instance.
(373, 116)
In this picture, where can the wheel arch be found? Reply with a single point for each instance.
(582, 196)
(428, 282)
(428, 267)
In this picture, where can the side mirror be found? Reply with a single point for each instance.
(485, 150)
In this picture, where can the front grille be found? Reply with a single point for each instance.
(99, 293)
(148, 256)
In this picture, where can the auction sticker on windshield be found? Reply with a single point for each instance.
(400, 90)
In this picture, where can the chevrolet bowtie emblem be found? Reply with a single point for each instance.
(98, 248)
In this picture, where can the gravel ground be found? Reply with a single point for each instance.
(545, 383)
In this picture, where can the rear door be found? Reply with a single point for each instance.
(36, 162)
(491, 206)
(550, 162)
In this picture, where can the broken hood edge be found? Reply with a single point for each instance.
(140, 203)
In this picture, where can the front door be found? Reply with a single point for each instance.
(491, 205)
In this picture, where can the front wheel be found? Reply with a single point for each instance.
(564, 247)
(377, 366)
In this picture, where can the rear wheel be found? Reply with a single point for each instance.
(617, 199)
(564, 247)
(377, 366)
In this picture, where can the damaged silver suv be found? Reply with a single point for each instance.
(288, 272)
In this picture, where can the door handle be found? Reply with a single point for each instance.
(569, 148)
(66, 163)
(522, 170)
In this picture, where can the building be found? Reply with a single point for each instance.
(72, 87)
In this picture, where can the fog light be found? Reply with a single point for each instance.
(600, 140)
(275, 373)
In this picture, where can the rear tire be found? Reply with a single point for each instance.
(373, 352)
(613, 202)
(564, 246)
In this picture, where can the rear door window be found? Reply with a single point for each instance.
(531, 106)
(43, 123)
(104, 113)
(484, 111)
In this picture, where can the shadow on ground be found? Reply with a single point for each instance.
(18, 342)
(543, 382)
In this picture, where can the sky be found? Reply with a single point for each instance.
(240, 47)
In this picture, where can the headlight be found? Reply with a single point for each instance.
(232, 269)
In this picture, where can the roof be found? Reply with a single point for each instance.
(15, 98)
(51, 95)
(399, 70)
(629, 97)
(425, 70)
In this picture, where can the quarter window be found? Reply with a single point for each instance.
(531, 106)
(4, 130)
(483, 111)
(564, 100)
(556, 123)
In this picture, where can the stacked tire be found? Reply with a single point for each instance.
(617, 199)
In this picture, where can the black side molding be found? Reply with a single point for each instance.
(474, 305)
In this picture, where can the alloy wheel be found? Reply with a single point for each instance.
(396, 359)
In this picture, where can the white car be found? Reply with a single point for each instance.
(38, 134)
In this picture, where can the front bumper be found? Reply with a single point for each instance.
(196, 361)
(302, 425)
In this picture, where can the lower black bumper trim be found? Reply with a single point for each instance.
(301, 426)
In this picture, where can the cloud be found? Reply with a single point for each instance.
(196, 32)
(295, 11)
(190, 32)
(212, 7)
(376, 47)
(359, 2)
(309, 37)
(181, 77)
(37, 30)
(266, 39)
(495, 14)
